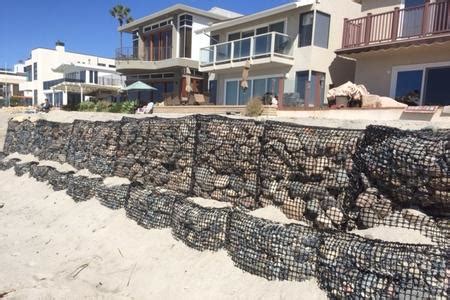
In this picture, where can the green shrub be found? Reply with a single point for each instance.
(254, 107)
(128, 107)
(102, 106)
(86, 106)
(116, 107)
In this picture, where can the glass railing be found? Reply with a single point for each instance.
(272, 43)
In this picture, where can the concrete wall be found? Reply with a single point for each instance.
(374, 69)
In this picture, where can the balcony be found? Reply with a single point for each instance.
(414, 25)
(266, 48)
(148, 53)
(130, 59)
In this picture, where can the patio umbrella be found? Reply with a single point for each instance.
(245, 71)
(139, 86)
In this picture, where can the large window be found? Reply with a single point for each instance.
(185, 29)
(305, 31)
(160, 46)
(135, 37)
(322, 30)
(258, 87)
(427, 85)
(409, 86)
(321, 22)
(28, 72)
(35, 71)
(276, 27)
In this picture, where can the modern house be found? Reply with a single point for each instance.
(290, 50)
(165, 51)
(402, 49)
(67, 78)
(9, 85)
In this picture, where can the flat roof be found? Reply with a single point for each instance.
(256, 16)
(176, 8)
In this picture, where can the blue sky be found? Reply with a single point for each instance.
(84, 25)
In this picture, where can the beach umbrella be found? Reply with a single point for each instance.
(139, 86)
(245, 71)
(188, 81)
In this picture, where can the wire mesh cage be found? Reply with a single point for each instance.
(82, 188)
(272, 250)
(226, 161)
(157, 151)
(21, 169)
(201, 228)
(113, 197)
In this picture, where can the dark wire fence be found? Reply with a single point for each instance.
(333, 180)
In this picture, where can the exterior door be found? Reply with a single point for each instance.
(437, 89)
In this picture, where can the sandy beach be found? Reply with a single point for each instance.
(54, 248)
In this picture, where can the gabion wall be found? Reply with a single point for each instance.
(20, 137)
(272, 250)
(51, 140)
(157, 151)
(330, 179)
(151, 207)
(201, 228)
(226, 161)
(306, 171)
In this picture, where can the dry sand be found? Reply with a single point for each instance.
(273, 213)
(53, 248)
(209, 202)
(395, 234)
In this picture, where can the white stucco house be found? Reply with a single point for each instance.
(290, 48)
(67, 78)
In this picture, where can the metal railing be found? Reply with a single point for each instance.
(401, 24)
(146, 53)
(263, 45)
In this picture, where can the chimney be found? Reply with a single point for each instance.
(59, 46)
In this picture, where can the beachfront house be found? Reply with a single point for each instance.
(290, 50)
(165, 52)
(68, 78)
(402, 49)
(9, 86)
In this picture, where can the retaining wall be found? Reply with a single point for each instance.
(328, 178)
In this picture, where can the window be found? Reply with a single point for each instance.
(213, 40)
(158, 25)
(277, 27)
(311, 93)
(231, 92)
(409, 86)
(35, 71)
(185, 29)
(35, 97)
(322, 30)
(258, 87)
(112, 66)
(93, 77)
(27, 71)
(305, 31)
(437, 89)
(101, 65)
(135, 43)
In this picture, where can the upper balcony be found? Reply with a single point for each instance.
(149, 58)
(272, 47)
(401, 27)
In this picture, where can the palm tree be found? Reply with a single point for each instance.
(122, 14)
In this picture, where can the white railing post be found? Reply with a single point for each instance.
(232, 52)
(252, 48)
(272, 45)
